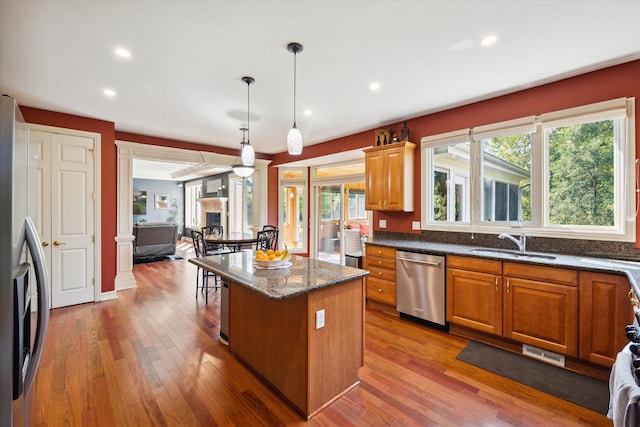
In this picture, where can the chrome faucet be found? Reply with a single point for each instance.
(522, 243)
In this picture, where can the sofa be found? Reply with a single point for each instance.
(155, 239)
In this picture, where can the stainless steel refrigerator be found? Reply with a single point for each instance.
(24, 287)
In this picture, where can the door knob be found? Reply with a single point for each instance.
(45, 244)
(58, 243)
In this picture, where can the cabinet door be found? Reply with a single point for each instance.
(604, 312)
(541, 314)
(475, 300)
(394, 179)
(375, 180)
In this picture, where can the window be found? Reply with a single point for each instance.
(567, 173)
(241, 212)
(449, 165)
(506, 165)
(356, 204)
(292, 208)
(192, 211)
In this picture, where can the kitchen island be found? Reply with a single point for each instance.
(301, 328)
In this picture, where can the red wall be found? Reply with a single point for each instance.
(609, 83)
(614, 82)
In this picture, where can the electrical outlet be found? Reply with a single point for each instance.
(415, 225)
(320, 319)
(382, 223)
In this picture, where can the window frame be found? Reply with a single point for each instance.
(624, 167)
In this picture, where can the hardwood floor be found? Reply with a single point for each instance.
(152, 357)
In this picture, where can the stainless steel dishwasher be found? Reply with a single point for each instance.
(420, 286)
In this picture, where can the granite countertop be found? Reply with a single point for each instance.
(629, 268)
(302, 276)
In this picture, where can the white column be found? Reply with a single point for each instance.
(124, 236)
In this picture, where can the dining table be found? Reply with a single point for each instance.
(235, 241)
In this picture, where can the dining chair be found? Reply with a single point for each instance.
(200, 248)
(213, 231)
(269, 227)
(267, 239)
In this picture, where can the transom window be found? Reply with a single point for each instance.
(567, 173)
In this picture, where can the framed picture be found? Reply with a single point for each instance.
(162, 201)
(139, 202)
(383, 137)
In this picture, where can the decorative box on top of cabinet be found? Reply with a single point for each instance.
(389, 177)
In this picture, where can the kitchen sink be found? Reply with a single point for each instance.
(513, 253)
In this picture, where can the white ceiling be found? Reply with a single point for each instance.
(184, 78)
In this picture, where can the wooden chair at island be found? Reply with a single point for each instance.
(200, 248)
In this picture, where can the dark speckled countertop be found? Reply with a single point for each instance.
(304, 275)
(629, 268)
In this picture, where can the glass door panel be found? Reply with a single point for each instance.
(292, 216)
(329, 222)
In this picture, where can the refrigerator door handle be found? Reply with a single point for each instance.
(42, 284)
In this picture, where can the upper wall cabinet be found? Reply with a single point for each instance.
(389, 177)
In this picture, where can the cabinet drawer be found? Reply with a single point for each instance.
(382, 273)
(561, 276)
(379, 263)
(381, 251)
(475, 264)
(381, 291)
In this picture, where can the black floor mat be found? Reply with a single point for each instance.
(579, 389)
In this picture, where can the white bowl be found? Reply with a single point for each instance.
(270, 264)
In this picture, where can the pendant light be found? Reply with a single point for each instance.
(294, 139)
(245, 168)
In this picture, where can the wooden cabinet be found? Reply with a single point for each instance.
(541, 307)
(474, 293)
(389, 177)
(529, 304)
(381, 282)
(604, 312)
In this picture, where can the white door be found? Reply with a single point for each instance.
(67, 214)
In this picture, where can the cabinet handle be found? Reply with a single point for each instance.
(379, 262)
(496, 283)
(380, 290)
(508, 284)
(58, 243)
(379, 273)
(45, 244)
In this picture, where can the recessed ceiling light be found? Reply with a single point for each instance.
(489, 40)
(307, 112)
(123, 53)
(374, 86)
(109, 92)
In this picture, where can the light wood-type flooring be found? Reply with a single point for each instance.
(152, 357)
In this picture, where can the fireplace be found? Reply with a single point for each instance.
(213, 218)
(213, 211)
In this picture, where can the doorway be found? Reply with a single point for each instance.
(67, 211)
(341, 221)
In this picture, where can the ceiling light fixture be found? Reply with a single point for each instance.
(123, 53)
(239, 168)
(489, 40)
(248, 155)
(109, 92)
(294, 139)
(245, 167)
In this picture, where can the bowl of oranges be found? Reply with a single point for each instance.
(271, 258)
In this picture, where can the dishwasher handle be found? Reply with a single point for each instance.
(436, 264)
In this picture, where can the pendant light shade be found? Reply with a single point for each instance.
(294, 139)
(248, 156)
(245, 168)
